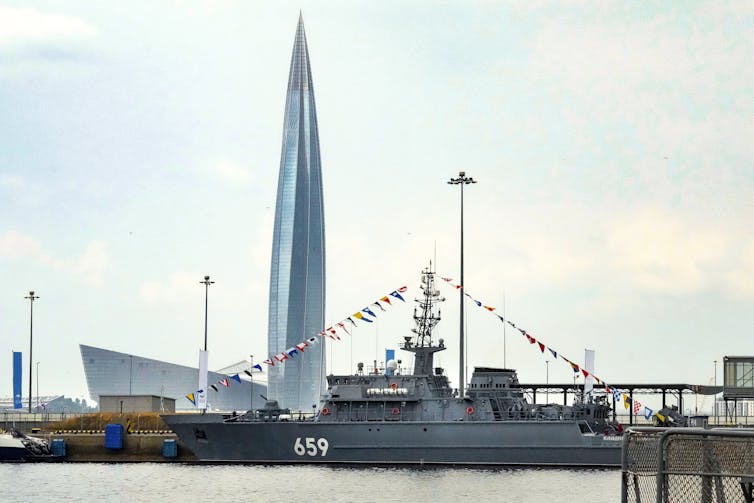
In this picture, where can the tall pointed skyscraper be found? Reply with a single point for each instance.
(297, 278)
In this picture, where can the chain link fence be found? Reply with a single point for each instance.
(682, 465)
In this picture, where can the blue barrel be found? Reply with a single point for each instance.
(114, 436)
(57, 447)
(169, 448)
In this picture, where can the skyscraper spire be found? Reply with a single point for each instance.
(297, 276)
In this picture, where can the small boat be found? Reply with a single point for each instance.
(15, 446)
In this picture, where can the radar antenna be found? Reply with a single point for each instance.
(424, 315)
(425, 319)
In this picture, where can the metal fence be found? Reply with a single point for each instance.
(681, 465)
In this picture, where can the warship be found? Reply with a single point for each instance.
(394, 418)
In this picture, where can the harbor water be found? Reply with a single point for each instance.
(171, 482)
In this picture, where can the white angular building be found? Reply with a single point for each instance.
(113, 373)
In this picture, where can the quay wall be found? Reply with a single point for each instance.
(137, 448)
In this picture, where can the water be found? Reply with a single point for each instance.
(173, 482)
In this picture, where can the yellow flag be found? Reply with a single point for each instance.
(660, 416)
(625, 401)
(358, 315)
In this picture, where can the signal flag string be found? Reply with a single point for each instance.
(618, 395)
(333, 332)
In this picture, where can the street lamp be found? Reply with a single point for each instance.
(203, 355)
(31, 298)
(37, 386)
(461, 180)
(715, 396)
(206, 284)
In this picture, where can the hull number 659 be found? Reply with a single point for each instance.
(311, 446)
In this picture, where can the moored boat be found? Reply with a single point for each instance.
(15, 446)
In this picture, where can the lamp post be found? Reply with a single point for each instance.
(461, 180)
(203, 355)
(714, 402)
(37, 386)
(206, 284)
(547, 381)
(31, 298)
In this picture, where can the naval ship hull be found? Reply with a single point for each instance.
(558, 443)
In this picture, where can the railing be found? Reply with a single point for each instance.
(679, 465)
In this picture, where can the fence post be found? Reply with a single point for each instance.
(624, 468)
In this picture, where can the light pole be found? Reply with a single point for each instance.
(206, 284)
(461, 180)
(31, 298)
(37, 386)
(715, 398)
(203, 355)
(547, 381)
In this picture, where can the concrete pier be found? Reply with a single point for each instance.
(137, 448)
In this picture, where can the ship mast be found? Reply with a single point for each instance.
(425, 319)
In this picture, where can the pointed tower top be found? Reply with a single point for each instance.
(300, 74)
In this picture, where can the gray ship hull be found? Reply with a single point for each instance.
(558, 443)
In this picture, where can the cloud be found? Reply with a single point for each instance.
(88, 267)
(642, 248)
(21, 26)
(740, 279)
(179, 287)
(14, 246)
(662, 252)
(229, 170)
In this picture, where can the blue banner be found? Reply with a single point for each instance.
(17, 380)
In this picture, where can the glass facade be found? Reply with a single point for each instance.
(738, 377)
(113, 373)
(297, 277)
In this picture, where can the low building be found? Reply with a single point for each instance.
(121, 404)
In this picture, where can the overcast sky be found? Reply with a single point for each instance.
(612, 143)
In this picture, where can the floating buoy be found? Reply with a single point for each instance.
(396, 411)
(325, 411)
(394, 385)
(469, 410)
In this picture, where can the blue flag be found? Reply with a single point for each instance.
(17, 380)
(397, 295)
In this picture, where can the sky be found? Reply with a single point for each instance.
(611, 142)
